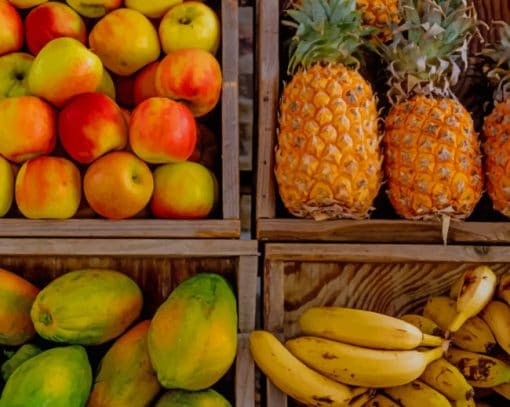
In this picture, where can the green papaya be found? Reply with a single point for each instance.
(182, 398)
(24, 353)
(58, 377)
(125, 376)
(193, 335)
(86, 307)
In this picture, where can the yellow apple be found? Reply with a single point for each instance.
(26, 3)
(153, 8)
(14, 68)
(106, 86)
(94, 8)
(125, 40)
(6, 186)
(190, 25)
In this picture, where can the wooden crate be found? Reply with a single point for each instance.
(276, 224)
(224, 121)
(391, 279)
(157, 265)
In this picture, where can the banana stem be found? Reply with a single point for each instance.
(431, 340)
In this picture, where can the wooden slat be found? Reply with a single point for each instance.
(230, 108)
(273, 296)
(245, 373)
(247, 299)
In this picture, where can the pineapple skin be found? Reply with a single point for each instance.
(432, 159)
(496, 147)
(328, 159)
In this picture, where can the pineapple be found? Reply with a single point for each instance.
(328, 158)
(496, 127)
(432, 153)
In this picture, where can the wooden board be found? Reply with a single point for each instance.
(158, 266)
(224, 221)
(274, 223)
(392, 279)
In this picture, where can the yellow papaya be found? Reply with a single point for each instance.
(125, 376)
(192, 338)
(180, 398)
(86, 307)
(16, 298)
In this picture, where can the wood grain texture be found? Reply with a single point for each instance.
(273, 296)
(245, 373)
(246, 292)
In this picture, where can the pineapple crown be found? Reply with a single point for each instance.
(327, 31)
(429, 50)
(498, 69)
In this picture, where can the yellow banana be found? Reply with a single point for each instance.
(448, 380)
(358, 327)
(361, 400)
(479, 370)
(426, 325)
(477, 288)
(455, 288)
(464, 403)
(416, 394)
(381, 401)
(357, 366)
(497, 315)
(504, 288)
(292, 376)
(503, 390)
(474, 335)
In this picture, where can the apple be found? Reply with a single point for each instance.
(125, 40)
(11, 32)
(52, 20)
(26, 3)
(127, 115)
(118, 185)
(206, 149)
(162, 130)
(63, 69)
(48, 188)
(106, 86)
(192, 76)
(28, 128)
(184, 190)
(153, 8)
(94, 8)
(144, 86)
(190, 25)
(91, 125)
(14, 69)
(6, 186)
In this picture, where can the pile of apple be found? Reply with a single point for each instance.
(99, 102)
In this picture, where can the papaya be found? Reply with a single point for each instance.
(125, 376)
(24, 353)
(86, 307)
(58, 377)
(16, 298)
(182, 398)
(192, 338)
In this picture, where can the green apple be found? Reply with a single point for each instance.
(106, 86)
(95, 8)
(190, 25)
(152, 9)
(6, 186)
(63, 69)
(14, 68)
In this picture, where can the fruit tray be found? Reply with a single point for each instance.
(275, 223)
(224, 219)
(389, 279)
(157, 266)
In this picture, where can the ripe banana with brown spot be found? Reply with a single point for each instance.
(416, 394)
(364, 328)
(448, 380)
(381, 401)
(503, 291)
(464, 403)
(474, 335)
(503, 390)
(293, 377)
(477, 289)
(426, 325)
(497, 316)
(479, 370)
(358, 366)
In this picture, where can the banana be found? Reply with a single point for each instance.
(292, 376)
(503, 292)
(381, 401)
(416, 394)
(446, 379)
(361, 400)
(464, 403)
(426, 325)
(503, 390)
(357, 366)
(357, 327)
(477, 288)
(497, 315)
(474, 335)
(479, 370)
(455, 288)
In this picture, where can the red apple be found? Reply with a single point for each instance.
(145, 83)
(53, 20)
(90, 126)
(11, 28)
(162, 130)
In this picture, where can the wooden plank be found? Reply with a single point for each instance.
(230, 109)
(273, 296)
(247, 292)
(245, 373)
(128, 247)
